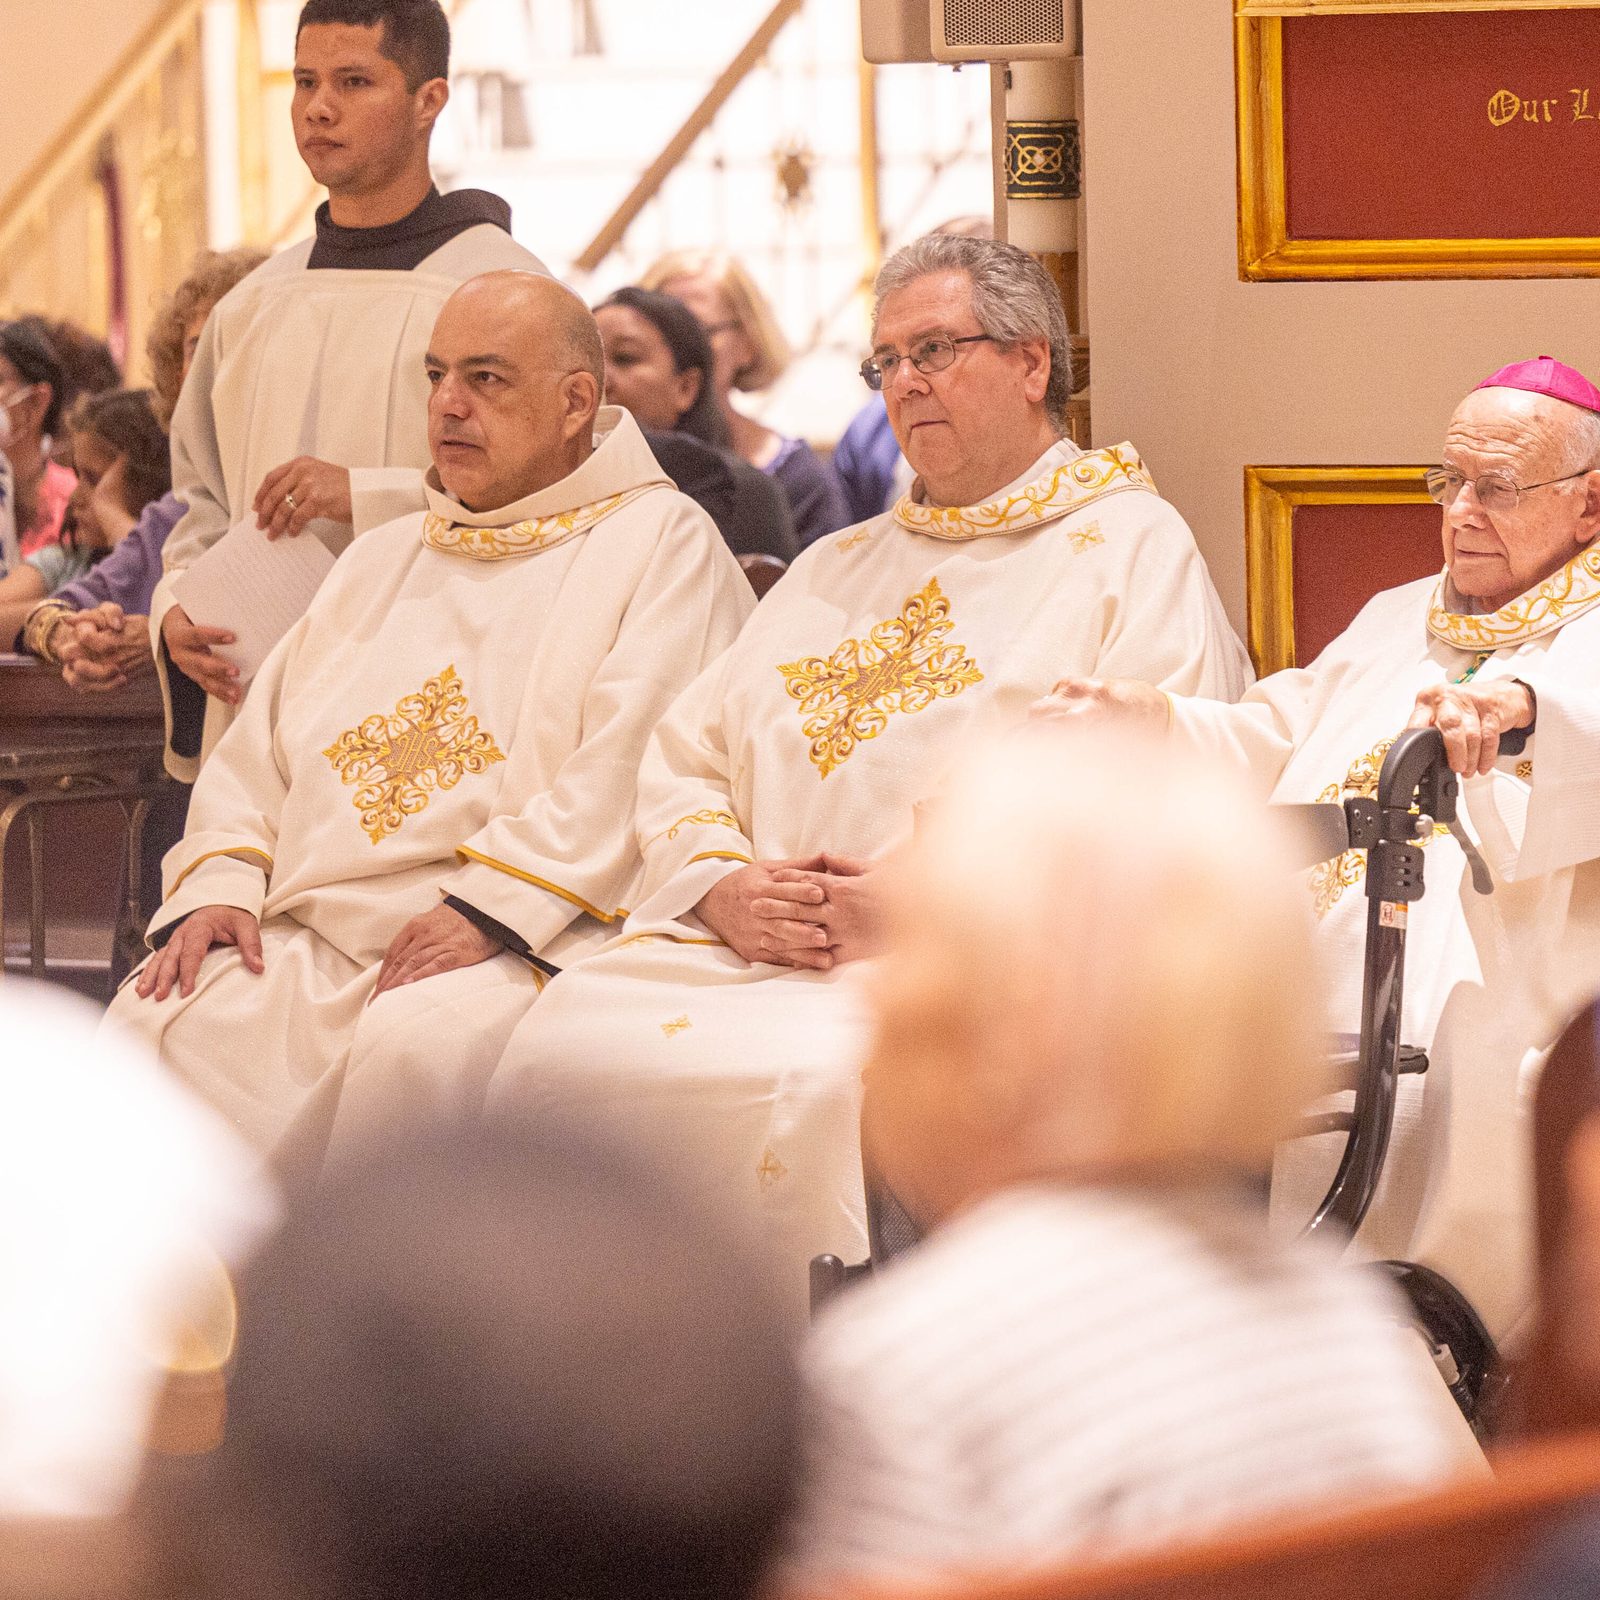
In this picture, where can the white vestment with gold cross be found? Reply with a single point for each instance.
(1489, 980)
(462, 711)
(886, 651)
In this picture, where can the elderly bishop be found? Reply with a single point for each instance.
(791, 766)
(1507, 637)
(429, 792)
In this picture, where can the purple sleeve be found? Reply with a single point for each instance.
(815, 494)
(130, 573)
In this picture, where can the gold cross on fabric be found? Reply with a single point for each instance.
(770, 1170)
(904, 664)
(401, 761)
(676, 1026)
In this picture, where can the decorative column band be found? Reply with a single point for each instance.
(1044, 160)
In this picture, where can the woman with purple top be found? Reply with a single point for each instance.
(120, 459)
(96, 627)
(751, 353)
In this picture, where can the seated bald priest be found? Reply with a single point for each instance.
(430, 789)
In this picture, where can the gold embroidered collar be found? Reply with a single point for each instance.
(1544, 608)
(521, 538)
(1053, 494)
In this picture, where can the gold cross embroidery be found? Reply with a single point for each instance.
(903, 664)
(676, 1026)
(770, 1170)
(399, 761)
(860, 536)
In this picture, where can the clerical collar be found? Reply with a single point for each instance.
(404, 245)
(1056, 488)
(617, 473)
(1565, 594)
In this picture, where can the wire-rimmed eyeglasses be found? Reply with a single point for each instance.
(929, 355)
(1498, 496)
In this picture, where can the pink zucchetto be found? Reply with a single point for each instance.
(1547, 376)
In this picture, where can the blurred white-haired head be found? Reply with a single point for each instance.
(1098, 967)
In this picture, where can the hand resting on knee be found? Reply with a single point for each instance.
(178, 960)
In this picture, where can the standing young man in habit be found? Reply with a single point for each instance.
(306, 408)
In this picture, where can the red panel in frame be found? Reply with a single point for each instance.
(1442, 126)
(1371, 142)
(1320, 542)
(1344, 554)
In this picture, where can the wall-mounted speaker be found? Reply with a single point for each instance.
(967, 30)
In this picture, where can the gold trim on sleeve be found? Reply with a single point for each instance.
(237, 854)
(466, 853)
(707, 818)
(720, 855)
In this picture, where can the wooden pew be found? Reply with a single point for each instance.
(1438, 1546)
(75, 771)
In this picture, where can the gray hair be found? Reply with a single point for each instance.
(1583, 440)
(1013, 298)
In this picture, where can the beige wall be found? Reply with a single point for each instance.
(1206, 374)
(53, 53)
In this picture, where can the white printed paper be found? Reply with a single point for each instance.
(257, 588)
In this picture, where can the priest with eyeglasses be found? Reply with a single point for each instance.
(1506, 637)
(722, 1017)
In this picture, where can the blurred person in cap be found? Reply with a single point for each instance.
(787, 770)
(751, 354)
(1083, 1056)
(120, 1194)
(1506, 638)
(489, 1363)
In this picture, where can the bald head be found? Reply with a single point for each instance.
(516, 369)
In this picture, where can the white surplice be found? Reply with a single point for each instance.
(886, 651)
(325, 363)
(1489, 980)
(462, 711)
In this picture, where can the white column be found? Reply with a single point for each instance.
(219, 66)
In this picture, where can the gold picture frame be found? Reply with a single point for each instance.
(1267, 253)
(1271, 495)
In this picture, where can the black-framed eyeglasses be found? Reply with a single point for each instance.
(929, 355)
(1497, 495)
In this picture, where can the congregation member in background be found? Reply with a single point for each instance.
(87, 364)
(1507, 637)
(494, 1363)
(307, 407)
(659, 366)
(790, 766)
(1095, 1015)
(31, 389)
(96, 628)
(428, 796)
(751, 354)
(120, 461)
(867, 459)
